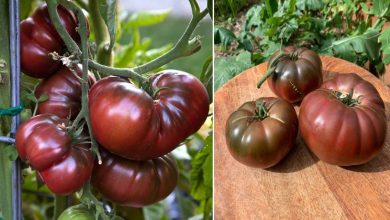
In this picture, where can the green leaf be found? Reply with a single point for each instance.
(254, 17)
(223, 36)
(206, 76)
(107, 10)
(10, 151)
(202, 172)
(310, 5)
(384, 39)
(155, 211)
(147, 18)
(25, 8)
(228, 67)
(43, 98)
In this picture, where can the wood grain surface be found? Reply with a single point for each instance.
(300, 186)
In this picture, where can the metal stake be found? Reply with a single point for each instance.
(15, 101)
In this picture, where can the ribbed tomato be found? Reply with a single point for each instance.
(64, 93)
(38, 38)
(129, 122)
(344, 122)
(260, 133)
(296, 72)
(44, 143)
(135, 183)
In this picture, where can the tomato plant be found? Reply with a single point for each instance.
(38, 38)
(135, 183)
(260, 133)
(63, 89)
(58, 146)
(63, 164)
(344, 122)
(163, 118)
(293, 72)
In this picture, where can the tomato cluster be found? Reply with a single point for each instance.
(136, 128)
(342, 121)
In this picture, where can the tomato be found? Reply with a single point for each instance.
(135, 183)
(344, 122)
(129, 122)
(296, 73)
(260, 133)
(64, 91)
(44, 143)
(77, 212)
(38, 38)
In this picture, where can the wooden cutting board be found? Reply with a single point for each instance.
(300, 186)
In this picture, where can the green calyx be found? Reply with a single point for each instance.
(347, 98)
(261, 110)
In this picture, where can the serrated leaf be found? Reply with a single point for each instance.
(107, 10)
(254, 17)
(223, 36)
(201, 172)
(384, 39)
(228, 67)
(147, 18)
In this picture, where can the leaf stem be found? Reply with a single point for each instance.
(183, 47)
(102, 37)
(69, 42)
(59, 206)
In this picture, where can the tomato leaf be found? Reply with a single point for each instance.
(147, 18)
(384, 39)
(223, 36)
(202, 171)
(155, 211)
(108, 12)
(227, 67)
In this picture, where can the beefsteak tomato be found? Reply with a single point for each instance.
(64, 93)
(344, 122)
(38, 38)
(135, 183)
(260, 133)
(294, 73)
(129, 122)
(44, 143)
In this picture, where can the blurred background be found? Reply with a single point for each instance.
(170, 30)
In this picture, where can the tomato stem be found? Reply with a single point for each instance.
(271, 69)
(261, 110)
(88, 198)
(60, 204)
(347, 98)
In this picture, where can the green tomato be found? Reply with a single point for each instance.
(78, 212)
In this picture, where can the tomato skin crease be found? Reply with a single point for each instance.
(135, 183)
(43, 142)
(129, 122)
(340, 134)
(64, 93)
(38, 38)
(261, 143)
(294, 78)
